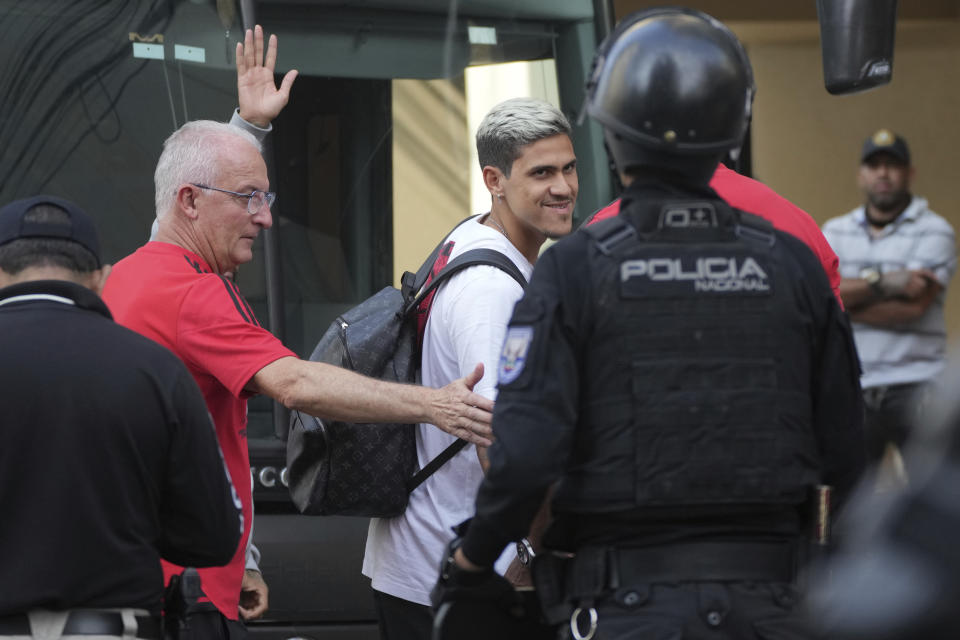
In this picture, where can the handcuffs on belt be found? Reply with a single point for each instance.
(526, 554)
(575, 624)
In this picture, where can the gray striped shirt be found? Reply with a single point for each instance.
(917, 239)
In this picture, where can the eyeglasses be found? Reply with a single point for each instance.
(255, 199)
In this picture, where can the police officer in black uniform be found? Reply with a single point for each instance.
(682, 372)
(108, 456)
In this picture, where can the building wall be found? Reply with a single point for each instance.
(431, 173)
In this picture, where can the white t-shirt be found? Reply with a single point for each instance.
(467, 324)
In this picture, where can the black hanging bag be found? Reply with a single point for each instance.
(369, 470)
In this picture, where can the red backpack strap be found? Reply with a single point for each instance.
(423, 309)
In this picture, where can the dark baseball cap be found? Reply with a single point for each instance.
(80, 229)
(886, 141)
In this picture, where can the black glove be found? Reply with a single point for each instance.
(456, 584)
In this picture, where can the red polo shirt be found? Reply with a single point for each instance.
(170, 295)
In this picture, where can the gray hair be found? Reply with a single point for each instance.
(192, 154)
(512, 125)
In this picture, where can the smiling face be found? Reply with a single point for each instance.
(539, 196)
(228, 231)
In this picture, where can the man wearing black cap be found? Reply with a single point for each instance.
(896, 259)
(109, 452)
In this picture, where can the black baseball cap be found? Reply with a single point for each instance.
(80, 229)
(886, 141)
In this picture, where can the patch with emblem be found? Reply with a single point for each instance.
(883, 138)
(688, 215)
(691, 270)
(514, 354)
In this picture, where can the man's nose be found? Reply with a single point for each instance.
(263, 217)
(561, 186)
(884, 168)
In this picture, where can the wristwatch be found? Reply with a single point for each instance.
(525, 553)
(873, 277)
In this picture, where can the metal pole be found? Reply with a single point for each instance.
(604, 18)
(248, 14)
(271, 248)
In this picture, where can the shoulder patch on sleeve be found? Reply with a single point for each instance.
(514, 354)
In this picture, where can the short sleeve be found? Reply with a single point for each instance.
(218, 332)
(477, 312)
(936, 250)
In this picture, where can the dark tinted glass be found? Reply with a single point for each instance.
(92, 89)
(86, 105)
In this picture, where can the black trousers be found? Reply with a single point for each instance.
(697, 611)
(892, 413)
(401, 619)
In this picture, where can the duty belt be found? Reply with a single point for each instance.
(707, 562)
(594, 570)
(569, 584)
(85, 623)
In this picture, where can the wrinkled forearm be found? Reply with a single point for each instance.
(334, 393)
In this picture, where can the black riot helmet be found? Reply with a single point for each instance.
(673, 90)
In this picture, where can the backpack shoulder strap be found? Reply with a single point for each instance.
(467, 259)
(490, 257)
(428, 469)
(411, 282)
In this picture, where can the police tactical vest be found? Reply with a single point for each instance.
(698, 366)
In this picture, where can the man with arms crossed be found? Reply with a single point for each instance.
(896, 258)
